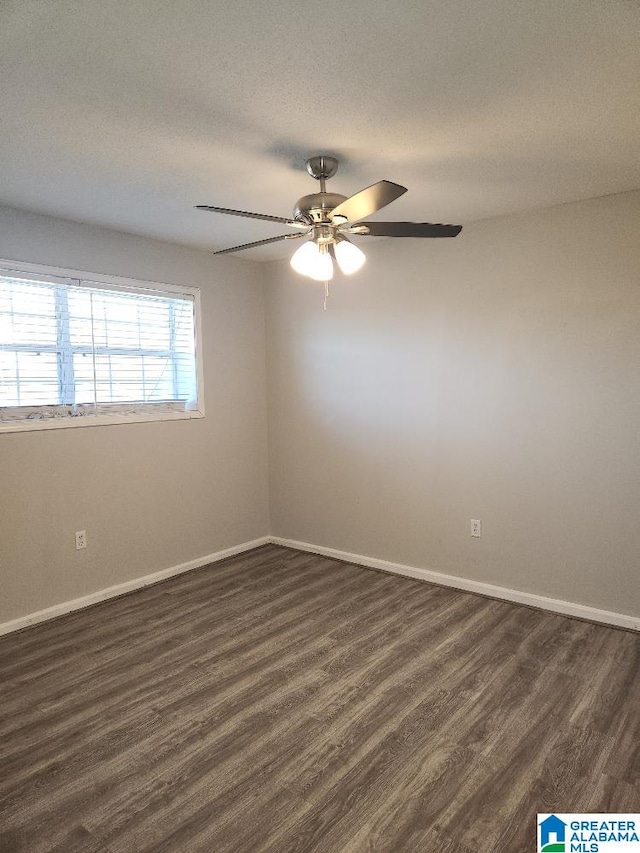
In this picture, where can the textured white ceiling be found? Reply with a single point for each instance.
(125, 113)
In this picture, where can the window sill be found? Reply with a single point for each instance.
(97, 420)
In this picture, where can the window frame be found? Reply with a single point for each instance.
(118, 415)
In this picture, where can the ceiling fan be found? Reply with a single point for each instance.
(329, 219)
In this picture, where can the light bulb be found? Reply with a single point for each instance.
(312, 261)
(349, 257)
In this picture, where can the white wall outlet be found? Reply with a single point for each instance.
(476, 528)
(81, 540)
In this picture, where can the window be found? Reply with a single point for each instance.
(80, 349)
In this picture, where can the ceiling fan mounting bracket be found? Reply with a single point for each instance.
(322, 167)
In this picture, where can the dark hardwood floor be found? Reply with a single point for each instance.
(282, 702)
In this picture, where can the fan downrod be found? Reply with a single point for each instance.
(316, 208)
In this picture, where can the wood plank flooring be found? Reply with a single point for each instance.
(283, 702)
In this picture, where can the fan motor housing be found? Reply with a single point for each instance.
(317, 206)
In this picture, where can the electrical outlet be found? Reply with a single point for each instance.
(81, 540)
(476, 528)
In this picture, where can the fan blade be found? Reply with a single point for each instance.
(265, 216)
(258, 243)
(367, 201)
(404, 229)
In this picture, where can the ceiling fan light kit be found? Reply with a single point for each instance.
(326, 218)
(313, 260)
(349, 257)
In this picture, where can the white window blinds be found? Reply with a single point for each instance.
(72, 348)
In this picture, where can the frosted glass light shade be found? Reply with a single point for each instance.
(349, 257)
(309, 260)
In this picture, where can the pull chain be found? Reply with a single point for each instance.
(326, 294)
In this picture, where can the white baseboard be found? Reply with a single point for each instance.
(127, 586)
(557, 605)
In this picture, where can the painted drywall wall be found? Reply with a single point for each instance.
(494, 376)
(149, 495)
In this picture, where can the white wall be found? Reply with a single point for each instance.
(494, 376)
(149, 495)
